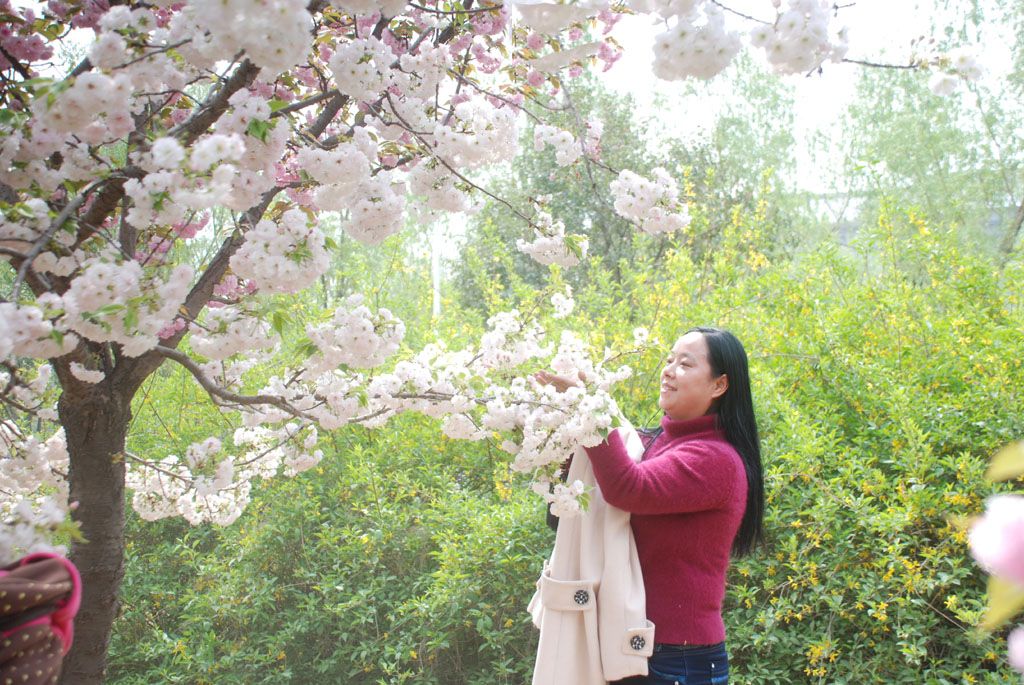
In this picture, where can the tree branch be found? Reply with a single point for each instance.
(105, 203)
(40, 243)
(327, 114)
(1010, 237)
(302, 104)
(138, 369)
(18, 66)
(218, 393)
(215, 104)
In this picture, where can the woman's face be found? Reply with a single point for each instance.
(688, 387)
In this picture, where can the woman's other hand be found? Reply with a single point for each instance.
(560, 383)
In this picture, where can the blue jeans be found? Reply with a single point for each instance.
(684, 665)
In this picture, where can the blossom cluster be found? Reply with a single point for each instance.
(567, 149)
(30, 465)
(95, 108)
(551, 245)
(476, 391)
(959, 65)
(564, 499)
(227, 331)
(355, 336)
(119, 301)
(276, 37)
(198, 487)
(479, 134)
(689, 49)
(654, 205)
(21, 43)
(563, 304)
(440, 188)
(282, 257)
(800, 40)
(26, 331)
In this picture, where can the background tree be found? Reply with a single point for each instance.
(743, 162)
(957, 158)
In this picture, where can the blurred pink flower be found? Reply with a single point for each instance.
(1015, 648)
(997, 538)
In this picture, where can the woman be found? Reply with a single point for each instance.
(696, 496)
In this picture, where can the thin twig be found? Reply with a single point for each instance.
(491, 8)
(455, 173)
(877, 65)
(740, 14)
(586, 157)
(157, 51)
(785, 355)
(153, 465)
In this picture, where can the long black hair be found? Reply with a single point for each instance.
(735, 409)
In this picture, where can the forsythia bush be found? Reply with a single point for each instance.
(886, 373)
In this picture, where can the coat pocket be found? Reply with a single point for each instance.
(639, 641)
(567, 595)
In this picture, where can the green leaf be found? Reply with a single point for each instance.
(575, 245)
(131, 318)
(260, 129)
(9, 117)
(107, 310)
(279, 322)
(306, 348)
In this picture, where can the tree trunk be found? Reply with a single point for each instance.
(1010, 236)
(96, 424)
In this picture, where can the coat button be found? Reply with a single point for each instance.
(637, 642)
(581, 597)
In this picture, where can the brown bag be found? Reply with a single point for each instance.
(39, 597)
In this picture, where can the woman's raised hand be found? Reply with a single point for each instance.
(561, 383)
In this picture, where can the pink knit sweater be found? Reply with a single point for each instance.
(686, 498)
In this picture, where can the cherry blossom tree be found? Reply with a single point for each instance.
(269, 112)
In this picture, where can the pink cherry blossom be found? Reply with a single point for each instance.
(997, 538)
(1015, 648)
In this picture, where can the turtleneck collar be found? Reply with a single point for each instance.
(691, 428)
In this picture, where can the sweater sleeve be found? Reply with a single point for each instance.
(696, 475)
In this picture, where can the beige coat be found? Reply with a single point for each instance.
(589, 604)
